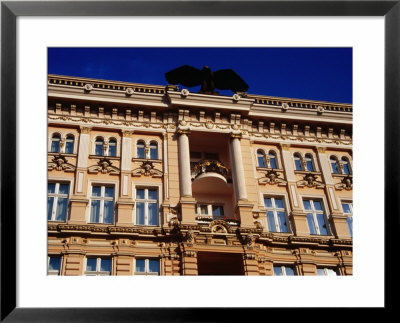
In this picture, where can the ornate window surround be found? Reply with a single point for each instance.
(160, 193)
(106, 140)
(147, 142)
(327, 213)
(63, 137)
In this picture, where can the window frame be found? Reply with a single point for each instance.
(96, 139)
(210, 209)
(98, 272)
(315, 219)
(275, 211)
(273, 153)
(55, 135)
(154, 142)
(283, 268)
(56, 195)
(326, 270)
(299, 157)
(349, 216)
(346, 161)
(68, 140)
(137, 143)
(90, 197)
(146, 271)
(308, 157)
(337, 165)
(146, 187)
(112, 142)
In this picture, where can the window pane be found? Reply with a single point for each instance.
(318, 205)
(282, 222)
(307, 205)
(64, 189)
(322, 225)
(279, 203)
(346, 169)
(310, 222)
(50, 201)
(108, 212)
(261, 160)
(140, 265)
(335, 168)
(99, 149)
(320, 272)
(331, 272)
(96, 190)
(346, 208)
(271, 221)
(69, 147)
(55, 263)
(153, 214)
(153, 195)
(112, 149)
(95, 211)
(272, 160)
(140, 150)
(91, 264)
(310, 166)
(140, 194)
(140, 213)
(153, 152)
(154, 266)
(289, 271)
(268, 202)
(350, 225)
(55, 146)
(278, 271)
(217, 210)
(62, 205)
(203, 209)
(105, 265)
(51, 187)
(109, 191)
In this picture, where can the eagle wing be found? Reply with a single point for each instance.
(186, 75)
(228, 79)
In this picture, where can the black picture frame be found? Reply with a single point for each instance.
(10, 10)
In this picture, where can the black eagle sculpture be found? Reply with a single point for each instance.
(189, 76)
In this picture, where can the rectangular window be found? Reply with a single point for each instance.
(147, 267)
(102, 204)
(146, 206)
(348, 211)
(216, 211)
(327, 272)
(315, 217)
(276, 214)
(54, 265)
(284, 271)
(98, 266)
(57, 201)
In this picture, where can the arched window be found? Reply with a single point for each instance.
(112, 147)
(153, 150)
(99, 147)
(261, 158)
(309, 163)
(55, 143)
(140, 152)
(335, 165)
(272, 159)
(69, 144)
(297, 161)
(346, 166)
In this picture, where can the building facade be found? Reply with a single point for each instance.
(155, 180)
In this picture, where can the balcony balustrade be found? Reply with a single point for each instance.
(210, 166)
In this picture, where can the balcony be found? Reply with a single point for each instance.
(211, 176)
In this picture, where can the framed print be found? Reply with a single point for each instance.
(120, 195)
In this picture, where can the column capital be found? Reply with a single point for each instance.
(285, 146)
(236, 135)
(321, 150)
(85, 130)
(184, 131)
(126, 133)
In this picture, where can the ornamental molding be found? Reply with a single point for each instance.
(310, 180)
(272, 177)
(104, 165)
(346, 183)
(59, 162)
(147, 169)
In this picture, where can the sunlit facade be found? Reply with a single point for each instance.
(156, 180)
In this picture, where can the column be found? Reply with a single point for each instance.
(237, 168)
(78, 202)
(184, 163)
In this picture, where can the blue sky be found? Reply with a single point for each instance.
(304, 73)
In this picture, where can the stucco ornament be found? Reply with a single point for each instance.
(129, 91)
(185, 93)
(320, 109)
(88, 87)
(104, 165)
(236, 97)
(272, 177)
(147, 169)
(310, 180)
(285, 106)
(59, 162)
(346, 183)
